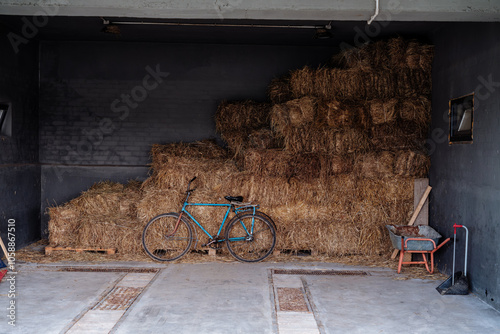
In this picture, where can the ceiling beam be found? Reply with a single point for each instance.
(328, 10)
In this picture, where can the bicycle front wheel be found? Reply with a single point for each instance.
(250, 238)
(166, 237)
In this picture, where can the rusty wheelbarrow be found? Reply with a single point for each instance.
(415, 239)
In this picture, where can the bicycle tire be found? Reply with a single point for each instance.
(247, 246)
(155, 238)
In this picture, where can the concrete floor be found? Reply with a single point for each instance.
(233, 298)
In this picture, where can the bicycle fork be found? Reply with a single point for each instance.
(176, 226)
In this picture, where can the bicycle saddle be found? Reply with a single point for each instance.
(234, 198)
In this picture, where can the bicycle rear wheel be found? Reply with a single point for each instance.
(166, 238)
(250, 238)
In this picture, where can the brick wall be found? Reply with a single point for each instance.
(106, 104)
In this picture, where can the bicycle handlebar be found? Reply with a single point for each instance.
(189, 184)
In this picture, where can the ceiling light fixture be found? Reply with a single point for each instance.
(180, 24)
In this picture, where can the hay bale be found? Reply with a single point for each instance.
(417, 110)
(371, 219)
(333, 237)
(411, 83)
(412, 55)
(63, 225)
(324, 140)
(366, 58)
(383, 191)
(301, 112)
(337, 164)
(267, 162)
(280, 120)
(412, 163)
(426, 57)
(110, 232)
(397, 52)
(356, 58)
(324, 83)
(305, 166)
(380, 84)
(398, 135)
(237, 141)
(263, 139)
(379, 54)
(344, 84)
(337, 114)
(383, 111)
(351, 141)
(129, 199)
(177, 171)
(156, 201)
(238, 115)
(102, 198)
(279, 90)
(295, 113)
(302, 82)
(307, 140)
(375, 165)
(161, 154)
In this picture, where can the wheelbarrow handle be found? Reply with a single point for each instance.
(419, 239)
(442, 244)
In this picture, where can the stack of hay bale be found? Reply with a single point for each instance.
(332, 158)
(352, 136)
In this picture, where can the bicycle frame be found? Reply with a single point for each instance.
(230, 206)
(251, 207)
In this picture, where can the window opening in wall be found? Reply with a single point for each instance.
(461, 119)
(5, 119)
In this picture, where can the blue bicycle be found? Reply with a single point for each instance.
(250, 235)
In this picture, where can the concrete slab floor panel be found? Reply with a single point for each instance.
(204, 298)
(297, 323)
(47, 301)
(383, 305)
(96, 322)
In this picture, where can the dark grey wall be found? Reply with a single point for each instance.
(19, 169)
(104, 104)
(466, 177)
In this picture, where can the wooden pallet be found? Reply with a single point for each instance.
(210, 251)
(49, 249)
